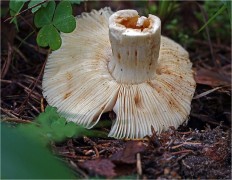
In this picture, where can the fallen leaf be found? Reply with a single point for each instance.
(102, 167)
(212, 77)
(128, 154)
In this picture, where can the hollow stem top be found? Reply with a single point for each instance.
(135, 43)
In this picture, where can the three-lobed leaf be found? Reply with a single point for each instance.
(36, 4)
(44, 15)
(50, 126)
(49, 36)
(15, 7)
(52, 19)
(63, 18)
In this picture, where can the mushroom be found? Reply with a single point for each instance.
(119, 61)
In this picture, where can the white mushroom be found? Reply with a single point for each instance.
(146, 78)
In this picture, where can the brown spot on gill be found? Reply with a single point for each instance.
(137, 99)
(136, 58)
(119, 56)
(174, 105)
(67, 95)
(155, 87)
(69, 75)
(169, 98)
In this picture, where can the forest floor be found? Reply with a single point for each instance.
(199, 149)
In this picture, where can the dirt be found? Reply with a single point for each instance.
(199, 149)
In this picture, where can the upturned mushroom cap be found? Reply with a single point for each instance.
(146, 78)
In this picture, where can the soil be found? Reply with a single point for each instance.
(200, 149)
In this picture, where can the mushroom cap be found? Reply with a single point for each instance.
(77, 81)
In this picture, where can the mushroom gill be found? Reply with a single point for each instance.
(120, 62)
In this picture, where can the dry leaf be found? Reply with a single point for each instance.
(128, 154)
(102, 167)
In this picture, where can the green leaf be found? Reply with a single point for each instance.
(44, 15)
(228, 7)
(49, 126)
(49, 36)
(63, 19)
(34, 3)
(220, 10)
(15, 7)
(47, 117)
(24, 158)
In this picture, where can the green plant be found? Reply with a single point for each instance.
(163, 9)
(209, 7)
(50, 17)
(49, 126)
(25, 158)
(216, 17)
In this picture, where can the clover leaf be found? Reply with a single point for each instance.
(63, 18)
(15, 7)
(52, 19)
(49, 126)
(36, 4)
(49, 36)
(44, 15)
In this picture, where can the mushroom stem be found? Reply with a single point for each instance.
(135, 43)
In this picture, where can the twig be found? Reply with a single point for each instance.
(29, 94)
(5, 81)
(186, 164)
(42, 104)
(208, 36)
(36, 48)
(96, 152)
(206, 93)
(181, 152)
(24, 11)
(27, 90)
(6, 65)
(139, 164)
(8, 113)
(208, 120)
(185, 143)
(16, 120)
(20, 54)
(33, 107)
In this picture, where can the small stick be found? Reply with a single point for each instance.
(16, 120)
(42, 104)
(139, 164)
(8, 113)
(96, 152)
(20, 54)
(33, 107)
(180, 152)
(6, 65)
(33, 87)
(24, 11)
(185, 143)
